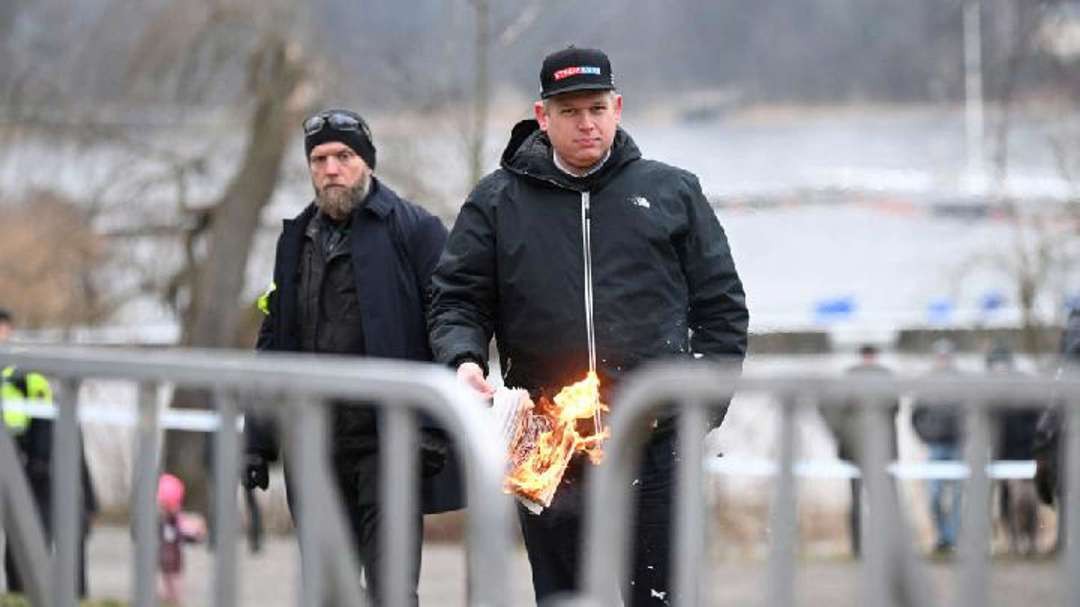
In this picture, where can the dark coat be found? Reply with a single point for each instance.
(1017, 423)
(938, 421)
(1049, 457)
(844, 418)
(664, 283)
(394, 247)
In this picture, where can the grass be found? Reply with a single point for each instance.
(18, 600)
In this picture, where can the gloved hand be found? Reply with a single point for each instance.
(256, 472)
(434, 449)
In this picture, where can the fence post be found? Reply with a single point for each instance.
(975, 502)
(308, 418)
(67, 500)
(1071, 495)
(783, 514)
(145, 497)
(226, 480)
(398, 484)
(691, 528)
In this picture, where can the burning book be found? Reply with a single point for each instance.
(541, 438)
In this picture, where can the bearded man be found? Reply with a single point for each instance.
(350, 278)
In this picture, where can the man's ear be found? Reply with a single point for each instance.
(541, 115)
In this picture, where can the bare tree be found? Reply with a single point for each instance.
(218, 243)
(487, 40)
(50, 262)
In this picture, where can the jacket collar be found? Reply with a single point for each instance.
(379, 200)
(529, 154)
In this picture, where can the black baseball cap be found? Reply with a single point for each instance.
(575, 69)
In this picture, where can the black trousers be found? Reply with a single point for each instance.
(357, 481)
(553, 539)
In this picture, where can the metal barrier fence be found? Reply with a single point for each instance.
(303, 384)
(892, 575)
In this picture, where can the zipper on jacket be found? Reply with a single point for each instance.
(590, 330)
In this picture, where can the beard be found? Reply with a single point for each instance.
(338, 202)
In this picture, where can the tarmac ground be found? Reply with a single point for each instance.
(271, 578)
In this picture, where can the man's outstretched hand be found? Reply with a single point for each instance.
(470, 374)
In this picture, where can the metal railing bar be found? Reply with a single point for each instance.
(690, 527)
(880, 545)
(307, 418)
(1071, 497)
(607, 546)
(335, 376)
(398, 485)
(226, 480)
(783, 523)
(147, 446)
(974, 578)
(67, 505)
(338, 549)
(840, 469)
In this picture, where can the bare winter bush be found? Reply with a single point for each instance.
(50, 259)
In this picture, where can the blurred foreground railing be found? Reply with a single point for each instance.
(294, 388)
(892, 575)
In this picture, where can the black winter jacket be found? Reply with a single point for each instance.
(664, 283)
(394, 245)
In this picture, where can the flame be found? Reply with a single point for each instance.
(562, 427)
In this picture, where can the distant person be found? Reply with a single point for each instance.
(174, 530)
(937, 423)
(33, 442)
(351, 276)
(1049, 454)
(844, 420)
(1016, 423)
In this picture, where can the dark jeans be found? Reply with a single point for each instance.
(553, 538)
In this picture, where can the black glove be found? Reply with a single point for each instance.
(256, 472)
(434, 449)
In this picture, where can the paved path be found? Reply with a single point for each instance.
(270, 578)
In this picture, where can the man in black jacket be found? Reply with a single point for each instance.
(579, 255)
(350, 277)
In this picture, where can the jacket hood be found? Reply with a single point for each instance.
(529, 154)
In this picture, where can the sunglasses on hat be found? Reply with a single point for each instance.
(338, 121)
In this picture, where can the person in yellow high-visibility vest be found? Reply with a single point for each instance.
(33, 443)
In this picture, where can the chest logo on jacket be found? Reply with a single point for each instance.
(640, 201)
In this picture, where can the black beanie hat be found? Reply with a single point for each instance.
(343, 126)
